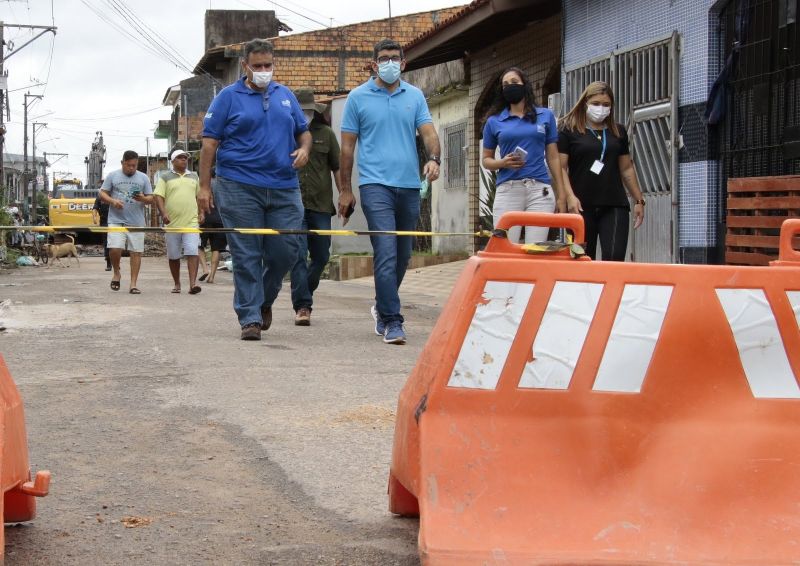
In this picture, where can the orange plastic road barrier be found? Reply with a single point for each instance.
(577, 412)
(18, 489)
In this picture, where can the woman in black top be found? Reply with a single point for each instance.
(597, 168)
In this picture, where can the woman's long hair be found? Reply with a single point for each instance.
(499, 103)
(575, 119)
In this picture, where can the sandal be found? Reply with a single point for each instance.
(203, 276)
(135, 291)
(194, 290)
(176, 290)
(115, 285)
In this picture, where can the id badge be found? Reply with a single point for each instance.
(597, 166)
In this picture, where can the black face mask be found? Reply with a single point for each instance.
(513, 93)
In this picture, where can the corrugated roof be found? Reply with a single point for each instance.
(461, 13)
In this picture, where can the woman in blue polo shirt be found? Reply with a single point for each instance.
(526, 136)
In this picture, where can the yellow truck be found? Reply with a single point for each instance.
(71, 204)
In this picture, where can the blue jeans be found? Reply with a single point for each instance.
(305, 274)
(259, 262)
(390, 208)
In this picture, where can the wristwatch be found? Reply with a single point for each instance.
(435, 159)
(640, 201)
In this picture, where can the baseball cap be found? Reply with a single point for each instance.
(176, 153)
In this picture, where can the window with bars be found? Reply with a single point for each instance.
(455, 151)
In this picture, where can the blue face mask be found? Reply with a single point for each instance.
(389, 72)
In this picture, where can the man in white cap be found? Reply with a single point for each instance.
(176, 199)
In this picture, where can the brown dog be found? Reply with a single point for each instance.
(56, 251)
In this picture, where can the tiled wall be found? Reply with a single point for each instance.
(597, 27)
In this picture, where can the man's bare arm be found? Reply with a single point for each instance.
(208, 154)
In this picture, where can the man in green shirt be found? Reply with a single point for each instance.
(317, 192)
(176, 199)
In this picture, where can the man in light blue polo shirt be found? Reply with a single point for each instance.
(258, 134)
(384, 115)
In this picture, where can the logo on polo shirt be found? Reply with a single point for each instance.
(542, 128)
(209, 115)
(286, 103)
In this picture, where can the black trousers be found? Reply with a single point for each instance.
(611, 225)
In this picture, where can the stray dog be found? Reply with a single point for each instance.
(56, 251)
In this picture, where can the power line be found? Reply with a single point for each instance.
(94, 119)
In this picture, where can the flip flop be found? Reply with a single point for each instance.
(175, 291)
(135, 291)
(194, 290)
(115, 285)
(203, 276)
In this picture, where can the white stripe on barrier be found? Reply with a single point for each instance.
(794, 299)
(633, 338)
(491, 333)
(758, 339)
(561, 335)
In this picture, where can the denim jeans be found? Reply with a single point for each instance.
(259, 262)
(390, 208)
(306, 274)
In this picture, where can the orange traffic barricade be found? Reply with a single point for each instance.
(575, 412)
(19, 503)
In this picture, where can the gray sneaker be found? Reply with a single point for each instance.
(380, 326)
(394, 333)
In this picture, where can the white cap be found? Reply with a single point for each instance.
(176, 153)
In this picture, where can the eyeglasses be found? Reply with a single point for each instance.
(393, 59)
(182, 157)
(261, 67)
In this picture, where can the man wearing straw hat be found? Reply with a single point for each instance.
(317, 192)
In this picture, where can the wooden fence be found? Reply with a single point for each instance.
(757, 206)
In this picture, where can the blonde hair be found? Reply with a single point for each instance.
(575, 119)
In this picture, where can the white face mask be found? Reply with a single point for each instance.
(309, 114)
(597, 113)
(261, 78)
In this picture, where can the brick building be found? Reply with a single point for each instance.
(190, 98)
(331, 61)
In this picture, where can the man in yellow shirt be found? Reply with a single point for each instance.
(176, 199)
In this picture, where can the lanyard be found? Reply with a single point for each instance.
(602, 153)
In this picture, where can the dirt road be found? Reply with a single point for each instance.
(173, 442)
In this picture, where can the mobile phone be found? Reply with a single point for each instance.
(520, 152)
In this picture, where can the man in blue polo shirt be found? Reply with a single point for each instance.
(384, 115)
(258, 134)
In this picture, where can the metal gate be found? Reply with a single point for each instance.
(761, 126)
(644, 79)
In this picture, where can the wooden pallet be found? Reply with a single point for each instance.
(757, 206)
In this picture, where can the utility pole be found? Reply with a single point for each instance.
(34, 213)
(26, 170)
(46, 178)
(390, 20)
(4, 89)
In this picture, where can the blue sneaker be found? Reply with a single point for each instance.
(380, 326)
(394, 333)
